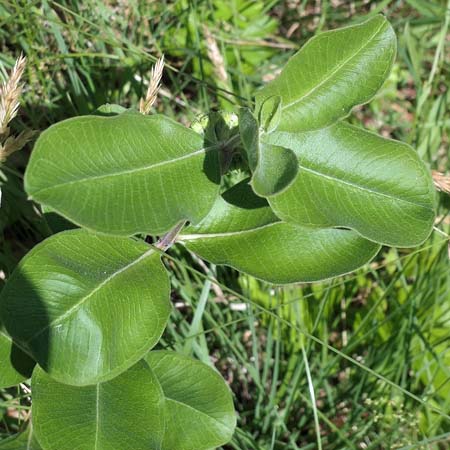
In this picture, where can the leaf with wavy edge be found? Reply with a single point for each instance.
(125, 413)
(124, 174)
(87, 306)
(332, 73)
(199, 407)
(349, 177)
(242, 231)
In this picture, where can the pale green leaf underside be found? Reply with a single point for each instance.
(249, 132)
(87, 306)
(241, 231)
(276, 169)
(126, 413)
(199, 407)
(124, 174)
(273, 167)
(15, 365)
(23, 441)
(351, 178)
(332, 73)
(270, 113)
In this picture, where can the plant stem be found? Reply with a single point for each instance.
(170, 237)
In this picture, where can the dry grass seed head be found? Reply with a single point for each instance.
(441, 181)
(153, 87)
(10, 91)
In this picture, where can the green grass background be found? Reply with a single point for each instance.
(358, 362)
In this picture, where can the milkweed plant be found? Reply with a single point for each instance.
(83, 310)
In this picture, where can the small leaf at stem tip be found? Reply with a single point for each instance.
(249, 132)
(270, 113)
(277, 168)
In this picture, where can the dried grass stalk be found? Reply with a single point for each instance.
(153, 87)
(10, 91)
(15, 143)
(441, 181)
(215, 56)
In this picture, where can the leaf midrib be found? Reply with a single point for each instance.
(331, 74)
(195, 236)
(124, 172)
(80, 303)
(6, 336)
(363, 188)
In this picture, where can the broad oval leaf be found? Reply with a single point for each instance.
(87, 306)
(15, 365)
(23, 441)
(349, 177)
(124, 174)
(241, 231)
(124, 413)
(199, 407)
(332, 73)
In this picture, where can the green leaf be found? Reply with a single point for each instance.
(55, 222)
(15, 365)
(332, 73)
(199, 407)
(124, 413)
(270, 113)
(241, 231)
(351, 178)
(124, 174)
(249, 132)
(87, 306)
(23, 441)
(274, 168)
(109, 109)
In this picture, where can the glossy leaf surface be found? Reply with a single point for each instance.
(351, 178)
(124, 174)
(15, 365)
(199, 408)
(332, 73)
(242, 231)
(126, 413)
(87, 306)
